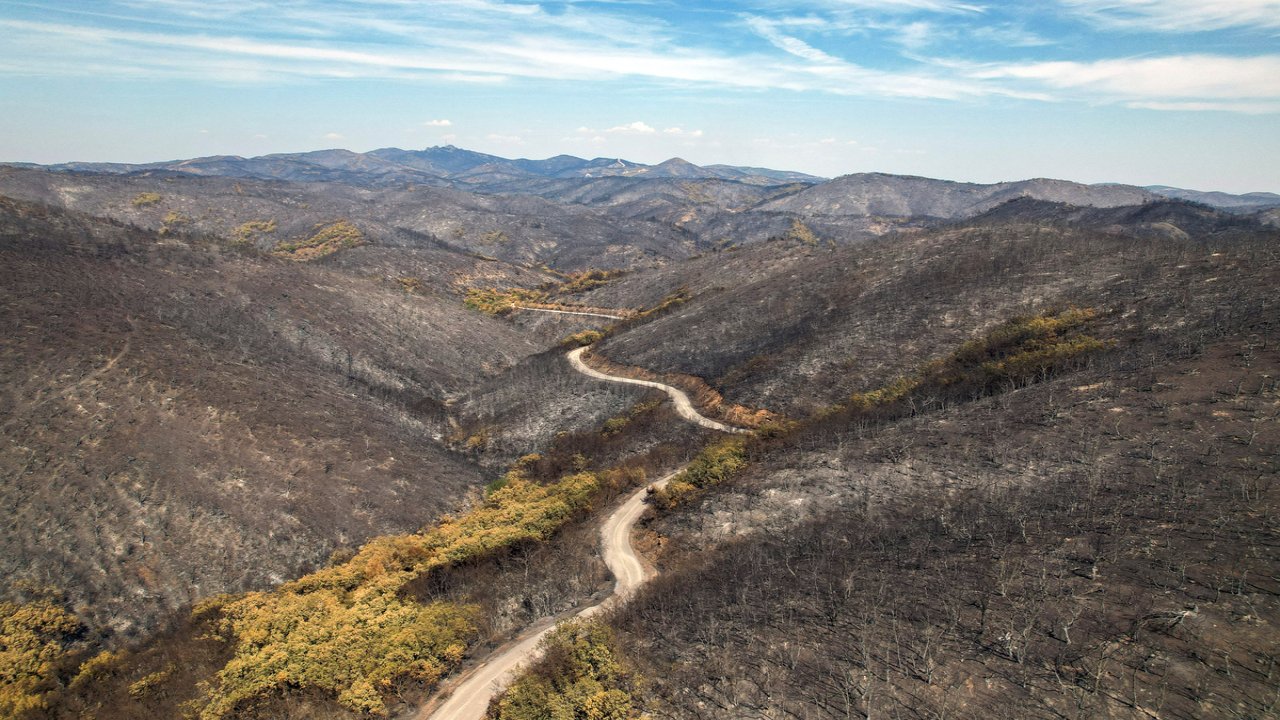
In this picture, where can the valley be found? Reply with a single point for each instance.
(342, 435)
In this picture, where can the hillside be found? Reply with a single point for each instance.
(782, 324)
(878, 194)
(1082, 537)
(524, 229)
(1248, 202)
(1089, 542)
(183, 419)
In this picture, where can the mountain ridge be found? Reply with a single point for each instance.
(451, 166)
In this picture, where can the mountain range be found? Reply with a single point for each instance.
(868, 193)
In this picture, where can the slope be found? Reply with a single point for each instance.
(1090, 542)
(525, 230)
(182, 419)
(1088, 536)
(785, 324)
(879, 194)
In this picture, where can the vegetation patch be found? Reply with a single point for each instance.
(152, 682)
(1020, 350)
(676, 298)
(585, 280)
(247, 232)
(582, 339)
(800, 232)
(716, 463)
(500, 301)
(145, 199)
(411, 285)
(174, 221)
(493, 301)
(326, 240)
(33, 638)
(615, 425)
(580, 675)
(348, 630)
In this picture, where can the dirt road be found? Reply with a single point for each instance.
(469, 698)
(469, 695)
(678, 397)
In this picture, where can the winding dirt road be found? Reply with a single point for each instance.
(469, 695)
(472, 692)
(678, 397)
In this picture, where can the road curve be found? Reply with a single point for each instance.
(678, 397)
(471, 694)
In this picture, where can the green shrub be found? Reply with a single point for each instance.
(493, 301)
(716, 463)
(148, 684)
(587, 280)
(247, 232)
(325, 240)
(580, 676)
(33, 637)
(582, 339)
(801, 233)
(1023, 348)
(348, 630)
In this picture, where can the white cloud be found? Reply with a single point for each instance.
(681, 132)
(905, 5)
(529, 42)
(437, 123)
(333, 136)
(1008, 36)
(638, 127)
(1182, 78)
(916, 34)
(1246, 108)
(1178, 15)
(768, 29)
(241, 59)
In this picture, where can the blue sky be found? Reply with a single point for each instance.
(1179, 92)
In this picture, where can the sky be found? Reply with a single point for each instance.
(1174, 92)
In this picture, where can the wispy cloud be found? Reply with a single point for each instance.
(825, 71)
(898, 6)
(488, 41)
(1178, 15)
(1242, 107)
(438, 123)
(1179, 81)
